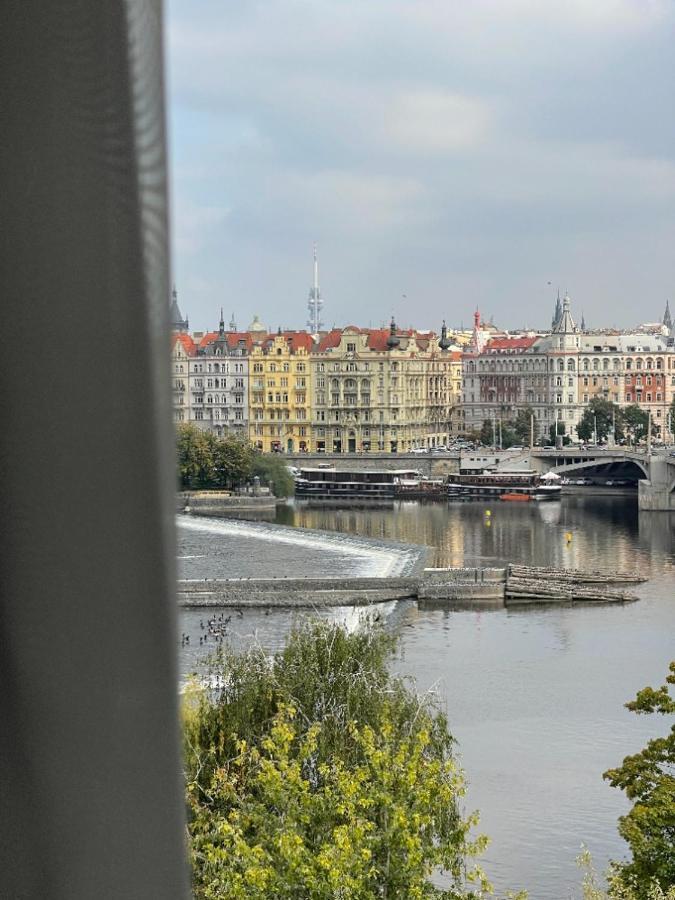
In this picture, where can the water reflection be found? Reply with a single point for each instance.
(577, 532)
(534, 696)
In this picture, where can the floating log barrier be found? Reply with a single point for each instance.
(536, 590)
(575, 576)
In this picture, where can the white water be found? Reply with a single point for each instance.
(365, 557)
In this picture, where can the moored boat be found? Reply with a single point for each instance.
(330, 482)
(516, 485)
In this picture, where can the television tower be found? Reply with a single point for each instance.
(315, 303)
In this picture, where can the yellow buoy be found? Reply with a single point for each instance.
(568, 535)
(488, 513)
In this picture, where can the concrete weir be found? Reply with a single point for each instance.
(458, 588)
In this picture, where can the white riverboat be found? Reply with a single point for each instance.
(329, 482)
(520, 485)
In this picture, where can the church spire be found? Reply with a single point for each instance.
(178, 323)
(557, 315)
(667, 320)
(233, 324)
(221, 324)
(583, 322)
(444, 343)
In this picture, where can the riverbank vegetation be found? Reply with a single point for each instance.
(648, 778)
(318, 774)
(208, 461)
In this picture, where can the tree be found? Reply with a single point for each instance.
(522, 425)
(671, 417)
(635, 421)
(598, 420)
(195, 457)
(508, 436)
(232, 461)
(273, 471)
(318, 774)
(648, 778)
(487, 433)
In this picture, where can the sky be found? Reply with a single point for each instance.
(445, 156)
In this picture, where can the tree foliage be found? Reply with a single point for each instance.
(273, 471)
(522, 425)
(648, 778)
(208, 461)
(319, 775)
(602, 415)
(635, 421)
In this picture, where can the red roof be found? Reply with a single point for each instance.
(186, 341)
(208, 338)
(515, 343)
(295, 340)
(330, 340)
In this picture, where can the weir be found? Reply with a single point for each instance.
(456, 587)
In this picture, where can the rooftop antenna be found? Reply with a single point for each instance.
(315, 303)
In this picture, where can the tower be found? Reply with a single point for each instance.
(667, 320)
(178, 323)
(557, 315)
(315, 303)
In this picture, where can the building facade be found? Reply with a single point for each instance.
(211, 380)
(280, 392)
(383, 390)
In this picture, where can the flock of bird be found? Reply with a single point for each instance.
(214, 630)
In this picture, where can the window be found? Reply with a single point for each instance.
(351, 348)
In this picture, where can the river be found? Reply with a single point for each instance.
(534, 696)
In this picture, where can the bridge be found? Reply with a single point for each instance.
(654, 472)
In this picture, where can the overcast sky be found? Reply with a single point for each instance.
(459, 153)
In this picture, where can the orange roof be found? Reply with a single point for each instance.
(294, 340)
(186, 341)
(515, 343)
(330, 340)
(208, 338)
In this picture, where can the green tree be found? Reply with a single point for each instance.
(320, 775)
(273, 471)
(508, 436)
(521, 425)
(194, 450)
(232, 461)
(671, 417)
(635, 421)
(648, 778)
(603, 415)
(487, 433)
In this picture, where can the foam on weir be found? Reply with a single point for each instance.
(368, 557)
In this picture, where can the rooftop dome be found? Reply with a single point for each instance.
(257, 325)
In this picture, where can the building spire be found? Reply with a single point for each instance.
(565, 325)
(444, 343)
(221, 324)
(233, 325)
(557, 315)
(583, 322)
(667, 320)
(315, 303)
(178, 323)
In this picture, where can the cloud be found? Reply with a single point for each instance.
(462, 150)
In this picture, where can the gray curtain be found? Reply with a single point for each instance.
(90, 792)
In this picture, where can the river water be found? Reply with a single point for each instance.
(534, 696)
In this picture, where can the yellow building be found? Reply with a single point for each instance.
(280, 392)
